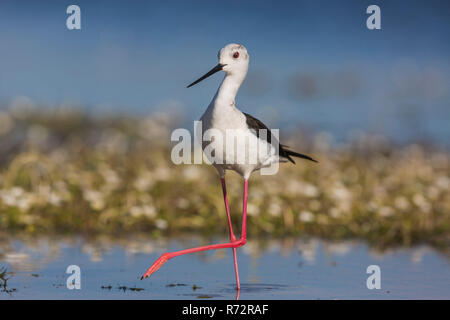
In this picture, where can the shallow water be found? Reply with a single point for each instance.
(276, 269)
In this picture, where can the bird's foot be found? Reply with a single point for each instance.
(156, 265)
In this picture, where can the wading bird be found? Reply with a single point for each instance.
(222, 115)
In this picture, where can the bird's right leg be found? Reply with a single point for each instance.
(233, 244)
(232, 236)
(169, 255)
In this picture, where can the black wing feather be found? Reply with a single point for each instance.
(283, 150)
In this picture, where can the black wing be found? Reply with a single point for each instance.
(283, 150)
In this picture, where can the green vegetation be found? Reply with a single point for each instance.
(62, 171)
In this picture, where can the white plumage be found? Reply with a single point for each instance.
(223, 117)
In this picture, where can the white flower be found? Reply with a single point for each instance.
(161, 173)
(149, 211)
(433, 193)
(16, 197)
(306, 216)
(443, 182)
(386, 211)
(275, 209)
(341, 193)
(294, 187)
(252, 210)
(17, 192)
(310, 191)
(306, 189)
(95, 199)
(420, 201)
(54, 199)
(24, 203)
(182, 203)
(335, 212)
(161, 224)
(111, 177)
(402, 203)
(7, 198)
(144, 181)
(192, 172)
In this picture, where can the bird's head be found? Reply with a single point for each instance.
(233, 59)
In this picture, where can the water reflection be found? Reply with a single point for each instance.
(28, 253)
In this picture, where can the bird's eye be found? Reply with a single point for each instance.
(236, 55)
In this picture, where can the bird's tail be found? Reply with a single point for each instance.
(288, 153)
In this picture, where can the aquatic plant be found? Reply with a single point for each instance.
(64, 171)
(4, 281)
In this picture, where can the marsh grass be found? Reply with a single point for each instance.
(66, 172)
(4, 277)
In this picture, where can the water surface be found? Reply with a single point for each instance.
(275, 269)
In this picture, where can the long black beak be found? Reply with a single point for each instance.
(209, 73)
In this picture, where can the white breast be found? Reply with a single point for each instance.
(229, 144)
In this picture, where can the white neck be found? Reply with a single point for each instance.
(228, 89)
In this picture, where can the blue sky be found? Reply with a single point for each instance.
(138, 56)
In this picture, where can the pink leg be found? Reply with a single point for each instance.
(232, 237)
(233, 244)
(244, 212)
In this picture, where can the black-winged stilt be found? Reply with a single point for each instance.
(222, 115)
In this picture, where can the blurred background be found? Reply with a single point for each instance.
(313, 63)
(86, 117)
